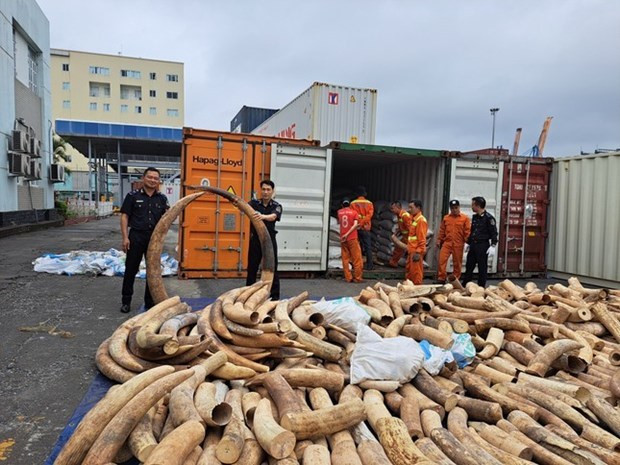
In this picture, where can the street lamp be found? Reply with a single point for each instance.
(493, 111)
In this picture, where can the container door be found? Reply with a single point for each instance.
(302, 176)
(212, 230)
(525, 200)
(471, 177)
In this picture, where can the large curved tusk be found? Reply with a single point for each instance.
(156, 245)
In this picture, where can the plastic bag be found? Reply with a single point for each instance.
(394, 359)
(435, 357)
(344, 312)
(462, 349)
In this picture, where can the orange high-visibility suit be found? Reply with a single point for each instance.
(404, 223)
(365, 210)
(349, 245)
(453, 233)
(416, 244)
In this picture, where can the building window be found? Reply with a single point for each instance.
(152, 93)
(66, 104)
(124, 108)
(66, 86)
(131, 73)
(106, 107)
(33, 70)
(172, 112)
(131, 92)
(172, 77)
(174, 95)
(138, 109)
(93, 106)
(98, 89)
(99, 70)
(65, 66)
(152, 76)
(153, 111)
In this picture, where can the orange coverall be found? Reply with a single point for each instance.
(349, 245)
(404, 223)
(453, 234)
(365, 210)
(416, 244)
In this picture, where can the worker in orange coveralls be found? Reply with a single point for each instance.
(365, 210)
(416, 244)
(404, 222)
(453, 234)
(350, 246)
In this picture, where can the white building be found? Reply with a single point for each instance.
(26, 191)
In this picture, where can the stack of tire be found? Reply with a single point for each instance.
(384, 224)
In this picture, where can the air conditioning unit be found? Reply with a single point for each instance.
(20, 141)
(19, 164)
(35, 170)
(57, 173)
(35, 147)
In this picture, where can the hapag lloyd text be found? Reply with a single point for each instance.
(214, 161)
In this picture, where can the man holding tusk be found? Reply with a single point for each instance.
(140, 212)
(269, 211)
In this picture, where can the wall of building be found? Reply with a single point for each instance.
(23, 26)
(80, 92)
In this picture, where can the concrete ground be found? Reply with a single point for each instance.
(48, 365)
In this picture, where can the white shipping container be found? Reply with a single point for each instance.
(327, 113)
(584, 224)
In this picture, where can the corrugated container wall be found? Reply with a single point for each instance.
(523, 230)
(249, 118)
(584, 233)
(474, 175)
(327, 113)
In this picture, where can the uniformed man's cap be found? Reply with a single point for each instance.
(454, 203)
(346, 202)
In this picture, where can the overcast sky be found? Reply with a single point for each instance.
(438, 66)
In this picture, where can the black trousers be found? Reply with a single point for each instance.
(365, 244)
(477, 255)
(255, 256)
(138, 245)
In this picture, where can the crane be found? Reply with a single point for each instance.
(515, 149)
(537, 150)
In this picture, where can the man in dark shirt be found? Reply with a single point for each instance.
(269, 211)
(140, 212)
(483, 231)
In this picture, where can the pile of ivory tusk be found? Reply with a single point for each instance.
(250, 381)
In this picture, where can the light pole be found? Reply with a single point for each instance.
(493, 111)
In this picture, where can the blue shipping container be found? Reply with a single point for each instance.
(249, 118)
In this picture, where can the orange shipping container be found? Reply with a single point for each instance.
(214, 235)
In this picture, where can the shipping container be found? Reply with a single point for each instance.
(310, 182)
(214, 235)
(524, 206)
(249, 118)
(327, 113)
(584, 227)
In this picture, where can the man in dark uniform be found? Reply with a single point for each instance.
(269, 211)
(483, 231)
(140, 212)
